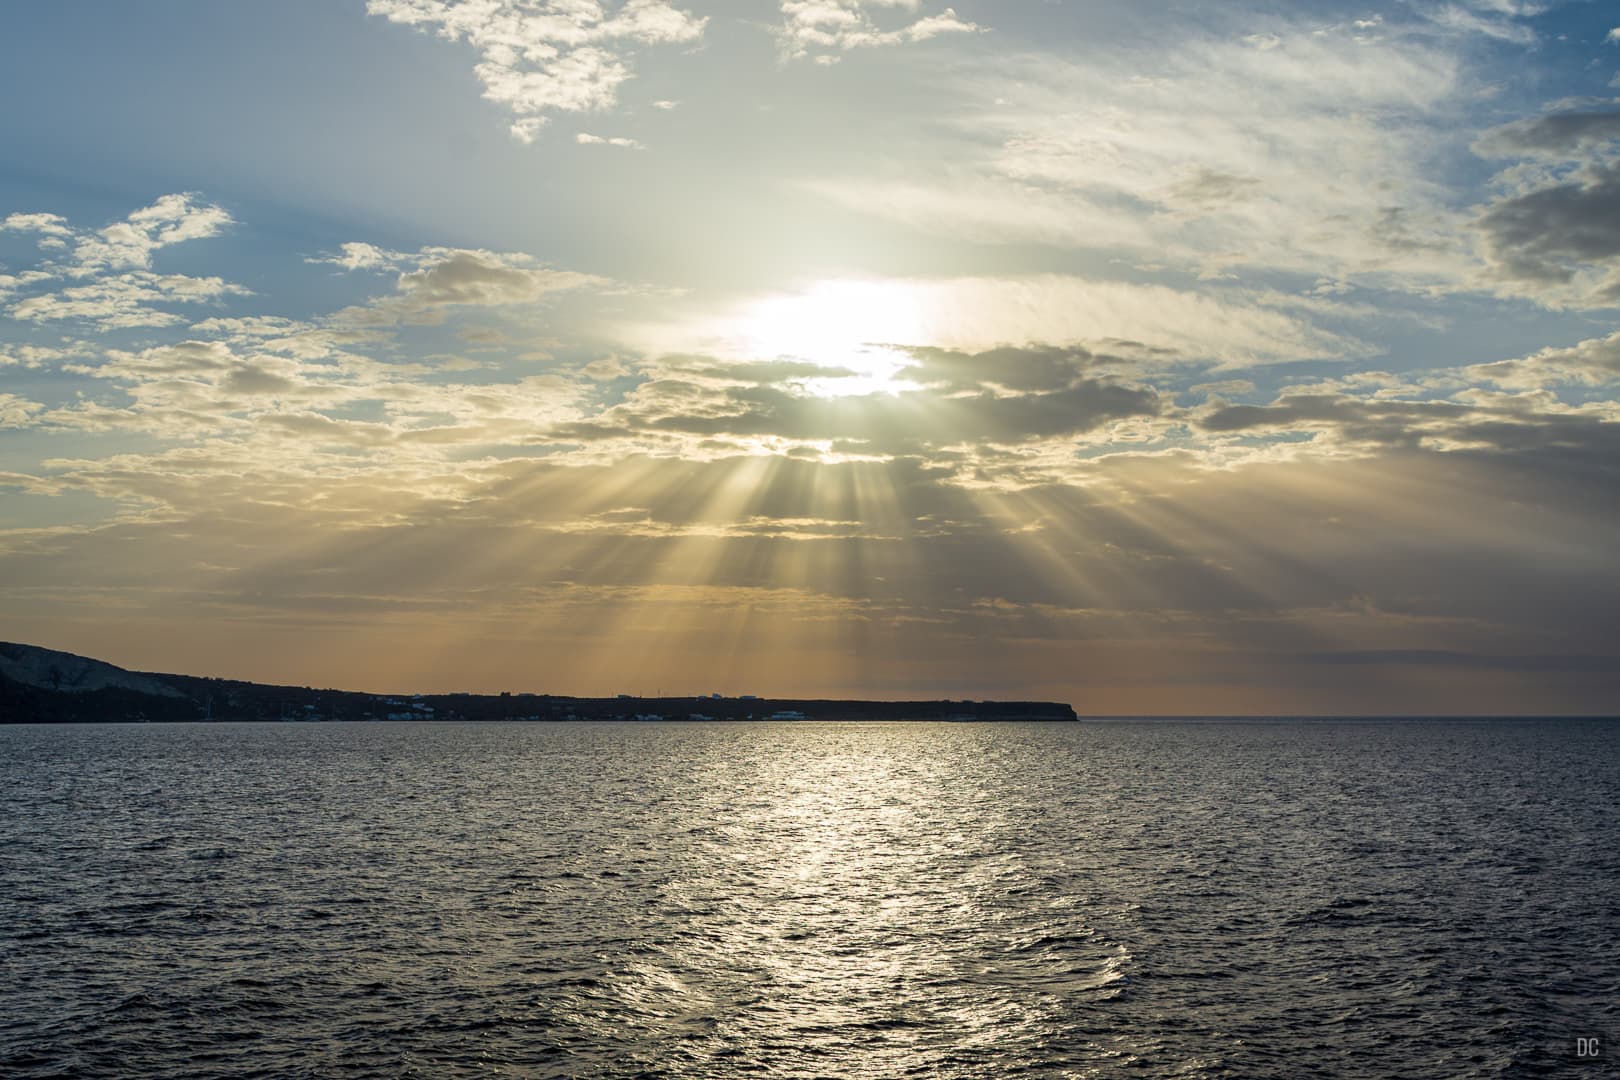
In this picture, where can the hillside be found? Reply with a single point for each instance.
(45, 686)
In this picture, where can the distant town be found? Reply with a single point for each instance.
(46, 686)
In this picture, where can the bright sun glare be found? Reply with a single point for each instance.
(847, 327)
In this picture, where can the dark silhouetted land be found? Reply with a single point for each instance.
(46, 686)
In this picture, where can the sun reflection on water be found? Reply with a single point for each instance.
(844, 901)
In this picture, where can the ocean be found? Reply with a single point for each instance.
(1267, 898)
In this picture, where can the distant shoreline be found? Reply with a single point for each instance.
(40, 685)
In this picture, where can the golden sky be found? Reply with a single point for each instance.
(1153, 360)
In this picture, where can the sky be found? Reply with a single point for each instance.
(1160, 357)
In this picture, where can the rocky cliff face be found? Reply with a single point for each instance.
(48, 669)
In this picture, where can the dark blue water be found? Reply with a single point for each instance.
(1243, 899)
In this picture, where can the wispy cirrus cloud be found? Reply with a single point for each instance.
(823, 29)
(1303, 149)
(1498, 19)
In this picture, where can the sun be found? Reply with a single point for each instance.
(851, 328)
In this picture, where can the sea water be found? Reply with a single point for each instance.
(1218, 898)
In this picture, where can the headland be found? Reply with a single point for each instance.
(39, 685)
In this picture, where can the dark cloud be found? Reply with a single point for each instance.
(1027, 370)
(1545, 236)
(253, 379)
(762, 372)
(1443, 658)
(1386, 423)
(481, 278)
(1507, 427)
(1209, 189)
(875, 421)
(1003, 396)
(1559, 134)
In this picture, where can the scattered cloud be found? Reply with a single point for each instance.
(824, 28)
(122, 301)
(33, 356)
(1551, 231)
(447, 278)
(357, 255)
(52, 226)
(587, 139)
(17, 412)
(1172, 363)
(435, 280)
(554, 56)
(129, 244)
(1560, 135)
(1593, 362)
(118, 289)
(1559, 241)
(1046, 493)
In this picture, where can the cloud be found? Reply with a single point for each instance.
(11, 283)
(127, 300)
(1045, 496)
(129, 244)
(1490, 18)
(823, 28)
(1542, 242)
(1552, 232)
(1203, 154)
(1203, 189)
(1593, 362)
(831, 320)
(18, 412)
(361, 256)
(587, 139)
(46, 225)
(198, 390)
(554, 56)
(1474, 661)
(118, 290)
(32, 356)
(435, 280)
(1304, 582)
(905, 422)
(1562, 135)
(482, 278)
(1344, 423)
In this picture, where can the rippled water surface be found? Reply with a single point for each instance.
(1245, 899)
